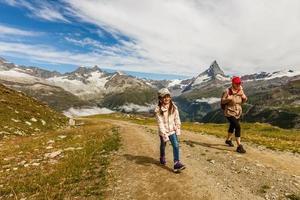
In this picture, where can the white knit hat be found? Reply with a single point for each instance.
(163, 92)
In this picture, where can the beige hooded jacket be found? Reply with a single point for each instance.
(233, 102)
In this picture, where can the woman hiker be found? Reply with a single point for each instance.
(232, 100)
(168, 120)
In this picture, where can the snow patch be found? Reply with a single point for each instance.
(174, 82)
(95, 84)
(97, 79)
(79, 112)
(201, 79)
(222, 78)
(284, 73)
(64, 81)
(16, 74)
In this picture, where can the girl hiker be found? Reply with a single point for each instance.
(169, 127)
(232, 100)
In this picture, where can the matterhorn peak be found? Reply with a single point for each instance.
(214, 70)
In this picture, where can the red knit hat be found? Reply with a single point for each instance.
(236, 80)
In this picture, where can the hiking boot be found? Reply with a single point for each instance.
(162, 160)
(178, 166)
(229, 143)
(240, 149)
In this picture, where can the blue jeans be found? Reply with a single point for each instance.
(174, 142)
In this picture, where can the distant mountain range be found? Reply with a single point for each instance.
(84, 87)
(273, 97)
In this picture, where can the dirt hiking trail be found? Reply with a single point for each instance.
(214, 171)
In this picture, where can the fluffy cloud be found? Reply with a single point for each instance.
(8, 31)
(186, 36)
(172, 36)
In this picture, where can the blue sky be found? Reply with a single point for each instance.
(178, 37)
(21, 25)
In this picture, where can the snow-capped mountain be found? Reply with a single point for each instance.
(213, 75)
(41, 73)
(90, 83)
(86, 89)
(21, 70)
(84, 86)
(16, 74)
(86, 83)
(269, 76)
(5, 65)
(214, 72)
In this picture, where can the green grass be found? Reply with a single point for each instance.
(22, 115)
(79, 173)
(258, 133)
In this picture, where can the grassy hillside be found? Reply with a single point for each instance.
(258, 133)
(61, 164)
(22, 115)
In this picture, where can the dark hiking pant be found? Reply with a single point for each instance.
(234, 126)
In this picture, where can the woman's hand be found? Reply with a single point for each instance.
(230, 97)
(244, 98)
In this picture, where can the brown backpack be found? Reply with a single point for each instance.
(223, 105)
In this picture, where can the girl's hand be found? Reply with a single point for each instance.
(165, 137)
(178, 131)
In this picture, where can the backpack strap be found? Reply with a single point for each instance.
(230, 92)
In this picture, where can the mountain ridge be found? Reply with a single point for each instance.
(197, 97)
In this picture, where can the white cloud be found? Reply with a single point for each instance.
(79, 112)
(184, 37)
(178, 36)
(40, 9)
(210, 100)
(48, 12)
(123, 49)
(136, 108)
(7, 30)
(51, 55)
